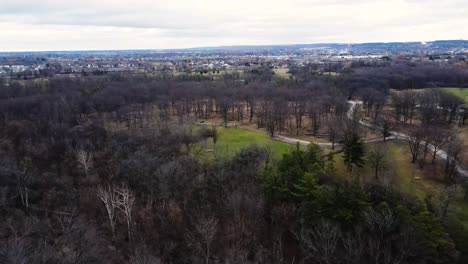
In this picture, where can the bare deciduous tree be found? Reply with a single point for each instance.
(386, 127)
(109, 198)
(24, 179)
(85, 159)
(202, 236)
(142, 255)
(450, 105)
(125, 203)
(376, 159)
(438, 138)
(415, 138)
(354, 246)
(405, 105)
(454, 150)
(333, 130)
(428, 103)
(320, 243)
(379, 222)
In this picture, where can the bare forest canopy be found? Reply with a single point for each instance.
(101, 169)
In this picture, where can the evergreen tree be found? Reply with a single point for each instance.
(354, 150)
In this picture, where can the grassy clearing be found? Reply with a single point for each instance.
(282, 72)
(400, 172)
(246, 124)
(232, 140)
(405, 172)
(460, 92)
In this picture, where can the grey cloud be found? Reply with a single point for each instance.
(156, 23)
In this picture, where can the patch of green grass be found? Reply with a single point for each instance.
(282, 72)
(340, 167)
(403, 172)
(232, 140)
(460, 92)
(400, 172)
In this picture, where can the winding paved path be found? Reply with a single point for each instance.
(294, 141)
(401, 136)
(350, 114)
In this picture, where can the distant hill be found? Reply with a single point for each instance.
(371, 45)
(437, 44)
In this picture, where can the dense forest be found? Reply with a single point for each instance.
(101, 169)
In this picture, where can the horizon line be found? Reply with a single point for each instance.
(228, 46)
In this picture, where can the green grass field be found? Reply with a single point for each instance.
(232, 140)
(282, 72)
(460, 92)
(400, 172)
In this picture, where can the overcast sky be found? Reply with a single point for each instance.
(155, 24)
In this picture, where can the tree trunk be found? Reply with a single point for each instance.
(434, 155)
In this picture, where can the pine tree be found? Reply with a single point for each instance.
(354, 150)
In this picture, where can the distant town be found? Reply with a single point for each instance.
(222, 60)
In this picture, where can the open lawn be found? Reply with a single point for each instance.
(400, 172)
(246, 124)
(460, 92)
(232, 140)
(282, 72)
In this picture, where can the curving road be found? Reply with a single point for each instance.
(350, 114)
(294, 141)
(400, 136)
